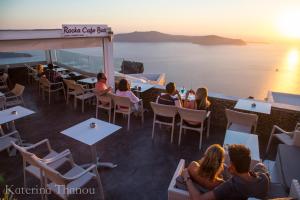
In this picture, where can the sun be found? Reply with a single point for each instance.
(288, 24)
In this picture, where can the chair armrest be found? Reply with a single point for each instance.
(92, 167)
(11, 97)
(275, 127)
(9, 134)
(59, 156)
(89, 90)
(40, 143)
(208, 114)
(59, 83)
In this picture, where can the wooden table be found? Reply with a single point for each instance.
(82, 132)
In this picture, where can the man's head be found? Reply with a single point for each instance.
(101, 77)
(50, 66)
(240, 158)
(171, 88)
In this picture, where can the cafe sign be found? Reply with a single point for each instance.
(85, 30)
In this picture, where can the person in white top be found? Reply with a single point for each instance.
(124, 91)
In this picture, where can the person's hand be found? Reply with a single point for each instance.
(185, 174)
(109, 88)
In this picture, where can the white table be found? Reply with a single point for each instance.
(82, 132)
(7, 115)
(260, 107)
(247, 139)
(144, 86)
(90, 80)
(60, 69)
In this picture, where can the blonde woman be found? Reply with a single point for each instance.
(201, 99)
(207, 171)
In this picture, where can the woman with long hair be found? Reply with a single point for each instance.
(201, 99)
(207, 171)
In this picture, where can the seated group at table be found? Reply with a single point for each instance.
(218, 181)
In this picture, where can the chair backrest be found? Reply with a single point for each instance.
(18, 90)
(164, 110)
(296, 138)
(192, 115)
(44, 81)
(246, 119)
(78, 89)
(70, 84)
(105, 98)
(121, 101)
(28, 157)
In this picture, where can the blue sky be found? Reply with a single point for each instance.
(253, 20)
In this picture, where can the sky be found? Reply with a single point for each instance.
(251, 20)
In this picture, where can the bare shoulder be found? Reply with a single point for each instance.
(193, 166)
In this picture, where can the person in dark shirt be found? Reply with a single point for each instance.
(171, 98)
(52, 75)
(243, 184)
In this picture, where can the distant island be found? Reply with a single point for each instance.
(14, 55)
(154, 36)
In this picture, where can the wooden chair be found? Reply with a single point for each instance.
(82, 94)
(288, 138)
(124, 106)
(241, 122)
(15, 96)
(53, 159)
(70, 88)
(65, 184)
(164, 111)
(104, 102)
(48, 87)
(196, 116)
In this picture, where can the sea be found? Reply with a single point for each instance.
(241, 71)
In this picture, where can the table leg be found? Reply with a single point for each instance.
(96, 160)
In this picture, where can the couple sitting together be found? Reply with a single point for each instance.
(123, 90)
(210, 173)
(172, 97)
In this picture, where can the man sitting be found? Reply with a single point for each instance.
(243, 184)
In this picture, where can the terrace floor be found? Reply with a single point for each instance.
(145, 166)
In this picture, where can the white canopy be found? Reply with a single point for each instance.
(47, 39)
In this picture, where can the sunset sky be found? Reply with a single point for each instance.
(252, 20)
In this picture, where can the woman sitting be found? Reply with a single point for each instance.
(201, 99)
(207, 171)
(124, 91)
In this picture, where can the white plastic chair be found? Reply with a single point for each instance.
(82, 94)
(124, 106)
(164, 111)
(288, 138)
(66, 184)
(48, 87)
(197, 117)
(17, 96)
(241, 122)
(176, 193)
(104, 102)
(53, 159)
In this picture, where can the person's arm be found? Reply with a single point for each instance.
(194, 193)
(133, 98)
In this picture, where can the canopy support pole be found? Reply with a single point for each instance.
(108, 61)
